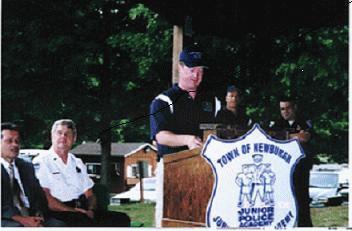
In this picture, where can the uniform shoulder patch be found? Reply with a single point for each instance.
(36, 165)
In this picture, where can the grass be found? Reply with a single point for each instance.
(138, 212)
(333, 216)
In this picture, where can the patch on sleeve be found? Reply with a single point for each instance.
(309, 123)
(36, 166)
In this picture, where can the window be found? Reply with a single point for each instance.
(94, 169)
(133, 171)
(116, 168)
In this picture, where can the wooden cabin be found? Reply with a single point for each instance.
(124, 159)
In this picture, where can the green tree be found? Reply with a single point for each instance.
(60, 61)
(102, 62)
(314, 69)
(310, 65)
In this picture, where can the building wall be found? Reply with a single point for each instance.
(117, 181)
(132, 160)
(121, 182)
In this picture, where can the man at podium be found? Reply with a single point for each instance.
(299, 128)
(177, 113)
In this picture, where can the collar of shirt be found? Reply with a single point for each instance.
(177, 88)
(5, 164)
(15, 169)
(56, 157)
(18, 178)
(291, 122)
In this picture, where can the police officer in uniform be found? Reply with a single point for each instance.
(299, 128)
(67, 185)
(177, 113)
(232, 116)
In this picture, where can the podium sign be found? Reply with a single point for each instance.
(253, 185)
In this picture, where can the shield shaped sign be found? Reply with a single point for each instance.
(253, 184)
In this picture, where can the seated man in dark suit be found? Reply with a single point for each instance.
(22, 199)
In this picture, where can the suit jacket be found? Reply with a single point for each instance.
(32, 189)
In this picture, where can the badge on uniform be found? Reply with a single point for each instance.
(207, 106)
(253, 186)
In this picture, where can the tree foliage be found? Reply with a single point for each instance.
(69, 59)
(54, 56)
(102, 62)
(314, 69)
(309, 65)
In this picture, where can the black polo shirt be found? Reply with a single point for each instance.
(298, 125)
(176, 111)
(238, 120)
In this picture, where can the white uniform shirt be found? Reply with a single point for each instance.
(16, 174)
(65, 181)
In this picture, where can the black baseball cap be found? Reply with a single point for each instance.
(192, 57)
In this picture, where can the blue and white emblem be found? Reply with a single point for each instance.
(253, 184)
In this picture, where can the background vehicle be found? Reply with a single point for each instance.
(328, 185)
(149, 193)
(29, 154)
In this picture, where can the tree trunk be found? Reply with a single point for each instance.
(106, 89)
(106, 118)
(105, 158)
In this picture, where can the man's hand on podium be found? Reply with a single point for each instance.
(175, 140)
(193, 142)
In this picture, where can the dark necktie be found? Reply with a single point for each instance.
(17, 201)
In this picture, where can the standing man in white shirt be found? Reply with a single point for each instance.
(67, 185)
(23, 203)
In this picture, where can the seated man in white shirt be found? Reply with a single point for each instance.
(67, 185)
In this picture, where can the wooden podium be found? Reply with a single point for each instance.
(188, 184)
